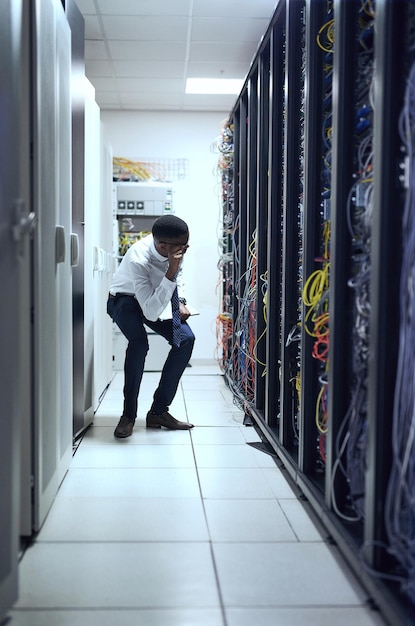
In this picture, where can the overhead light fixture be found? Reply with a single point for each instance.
(214, 85)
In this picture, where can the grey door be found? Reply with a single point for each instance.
(52, 280)
(14, 263)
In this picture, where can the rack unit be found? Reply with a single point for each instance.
(318, 189)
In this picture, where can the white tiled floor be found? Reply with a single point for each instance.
(182, 529)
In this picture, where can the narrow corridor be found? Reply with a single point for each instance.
(182, 528)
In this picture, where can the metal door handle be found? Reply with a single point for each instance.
(60, 247)
(74, 250)
(22, 224)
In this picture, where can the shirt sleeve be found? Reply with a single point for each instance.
(153, 299)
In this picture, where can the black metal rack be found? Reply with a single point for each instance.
(320, 177)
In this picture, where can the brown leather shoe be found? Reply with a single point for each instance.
(167, 421)
(124, 428)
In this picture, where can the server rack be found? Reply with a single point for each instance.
(318, 191)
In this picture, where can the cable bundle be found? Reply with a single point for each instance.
(224, 324)
(161, 170)
(316, 323)
(400, 500)
(293, 354)
(315, 293)
(236, 338)
(245, 328)
(352, 436)
(264, 291)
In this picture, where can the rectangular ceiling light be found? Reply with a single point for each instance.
(214, 85)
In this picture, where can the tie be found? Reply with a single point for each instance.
(175, 309)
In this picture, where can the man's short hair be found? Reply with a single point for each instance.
(169, 226)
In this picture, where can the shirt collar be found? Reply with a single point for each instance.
(158, 256)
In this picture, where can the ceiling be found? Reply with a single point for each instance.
(139, 53)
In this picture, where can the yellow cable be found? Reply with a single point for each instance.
(320, 428)
(330, 35)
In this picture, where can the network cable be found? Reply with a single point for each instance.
(351, 442)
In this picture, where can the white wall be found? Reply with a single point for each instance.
(188, 135)
(98, 253)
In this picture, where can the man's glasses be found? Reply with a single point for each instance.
(175, 243)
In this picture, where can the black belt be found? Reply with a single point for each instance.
(120, 293)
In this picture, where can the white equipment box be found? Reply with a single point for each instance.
(144, 198)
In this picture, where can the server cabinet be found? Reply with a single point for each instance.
(277, 39)
(82, 403)
(51, 264)
(14, 269)
(318, 272)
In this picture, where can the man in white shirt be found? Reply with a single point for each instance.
(142, 287)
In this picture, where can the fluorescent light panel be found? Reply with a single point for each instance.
(214, 85)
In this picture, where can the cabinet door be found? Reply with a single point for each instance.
(13, 260)
(52, 299)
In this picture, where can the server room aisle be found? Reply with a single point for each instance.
(182, 529)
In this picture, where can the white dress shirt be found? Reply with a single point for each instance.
(141, 273)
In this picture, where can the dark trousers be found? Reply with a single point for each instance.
(126, 313)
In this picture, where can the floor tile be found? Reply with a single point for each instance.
(300, 522)
(210, 396)
(150, 379)
(138, 483)
(203, 383)
(279, 483)
(106, 417)
(247, 520)
(263, 458)
(112, 394)
(215, 418)
(310, 616)
(199, 369)
(216, 435)
(112, 404)
(109, 414)
(141, 435)
(125, 519)
(120, 617)
(234, 483)
(231, 455)
(250, 435)
(207, 406)
(133, 456)
(117, 381)
(177, 408)
(98, 575)
(285, 574)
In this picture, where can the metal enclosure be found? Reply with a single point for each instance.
(82, 403)
(14, 265)
(52, 279)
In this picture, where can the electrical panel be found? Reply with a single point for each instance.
(315, 332)
(136, 206)
(144, 198)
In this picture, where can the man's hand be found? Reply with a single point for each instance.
(175, 256)
(184, 312)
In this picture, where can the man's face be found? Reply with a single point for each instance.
(172, 246)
